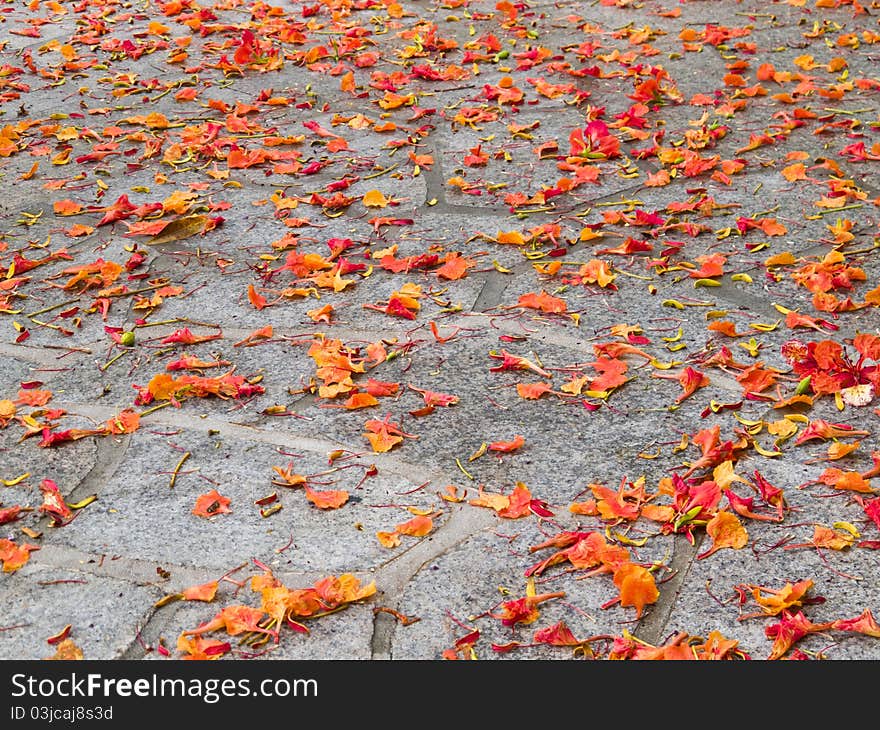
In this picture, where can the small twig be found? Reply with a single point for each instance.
(416, 489)
(177, 469)
(463, 470)
(15, 626)
(836, 210)
(112, 360)
(68, 349)
(53, 307)
(847, 111)
(155, 408)
(403, 618)
(380, 172)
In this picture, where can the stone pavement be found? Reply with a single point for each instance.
(220, 168)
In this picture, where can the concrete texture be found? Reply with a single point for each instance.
(135, 538)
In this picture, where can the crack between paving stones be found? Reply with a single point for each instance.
(134, 570)
(250, 433)
(108, 458)
(462, 525)
(135, 650)
(435, 190)
(489, 297)
(337, 330)
(493, 288)
(142, 572)
(34, 354)
(729, 295)
(652, 628)
(345, 333)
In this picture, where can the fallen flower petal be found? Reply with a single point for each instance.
(210, 504)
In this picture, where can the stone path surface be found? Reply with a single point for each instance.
(491, 321)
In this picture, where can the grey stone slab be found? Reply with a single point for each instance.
(15, 371)
(225, 300)
(40, 601)
(453, 593)
(698, 611)
(25, 466)
(490, 399)
(342, 635)
(138, 514)
(460, 567)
